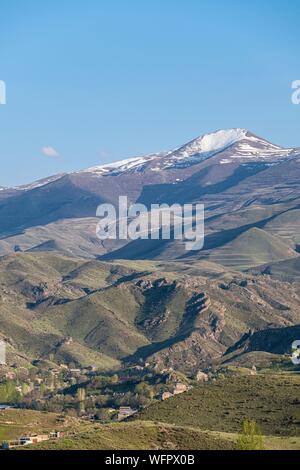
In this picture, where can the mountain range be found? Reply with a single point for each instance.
(244, 181)
(67, 297)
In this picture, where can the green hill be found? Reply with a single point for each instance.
(287, 270)
(252, 248)
(182, 315)
(222, 405)
(139, 435)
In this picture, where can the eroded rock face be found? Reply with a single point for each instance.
(181, 318)
(188, 355)
(194, 340)
(211, 316)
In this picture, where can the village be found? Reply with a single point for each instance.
(88, 393)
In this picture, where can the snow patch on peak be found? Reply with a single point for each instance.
(233, 144)
(121, 166)
(204, 147)
(221, 139)
(212, 143)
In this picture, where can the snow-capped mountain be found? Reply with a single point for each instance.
(227, 146)
(228, 171)
(233, 144)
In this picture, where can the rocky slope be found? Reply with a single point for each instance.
(180, 315)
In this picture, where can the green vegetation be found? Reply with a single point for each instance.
(138, 436)
(87, 337)
(252, 248)
(223, 405)
(8, 393)
(251, 437)
(17, 422)
(165, 312)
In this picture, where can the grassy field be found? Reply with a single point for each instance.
(139, 435)
(16, 422)
(134, 435)
(84, 435)
(272, 400)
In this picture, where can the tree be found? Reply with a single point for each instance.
(8, 393)
(114, 379)
(251, 437)
(81, 399)
(103, 414)
(144, 389)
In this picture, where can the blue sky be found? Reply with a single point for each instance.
(99, 80)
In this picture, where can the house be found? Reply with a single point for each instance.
(33, 439)
(55, 435)
(68, 340)
(201, 376)
(166, 395)
(140, 368)
(125, 412)
(25, 440)
(180, 388)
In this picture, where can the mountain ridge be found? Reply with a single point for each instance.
(243, 180)
(204, 146)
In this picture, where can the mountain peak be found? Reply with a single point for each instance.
(235, 144)
(209, 144)
(232, 145)
(215, 141)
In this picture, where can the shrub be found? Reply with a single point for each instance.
(251, 437)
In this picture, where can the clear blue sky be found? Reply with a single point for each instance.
(100, 80)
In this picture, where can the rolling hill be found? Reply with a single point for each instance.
(183, 315)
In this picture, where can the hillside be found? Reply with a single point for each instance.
(183, 315)
(210, 416)
(288, 270)
(252, 248)
(139, 436)
(222, 405)
(82, 435)
(271, 340)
